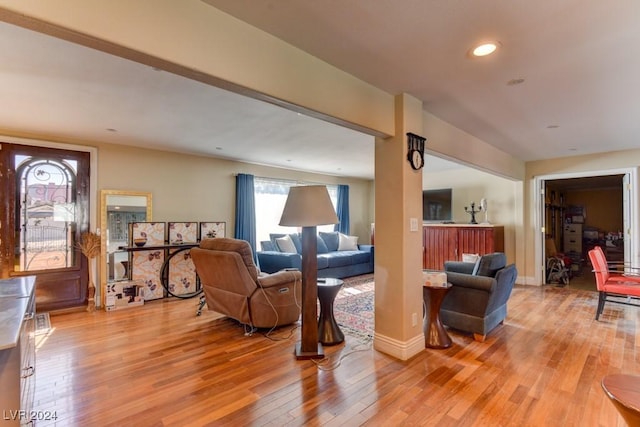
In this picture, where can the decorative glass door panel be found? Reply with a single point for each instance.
(44, 206)
(46, 214)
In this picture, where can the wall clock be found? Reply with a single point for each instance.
(415, 154)
(416, 158)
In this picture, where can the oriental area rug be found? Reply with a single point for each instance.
(353, 307)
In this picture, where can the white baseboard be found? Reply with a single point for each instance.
(527, 280)
(403, 350)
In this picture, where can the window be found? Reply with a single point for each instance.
(271, 195)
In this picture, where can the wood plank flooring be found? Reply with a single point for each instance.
(160, 365)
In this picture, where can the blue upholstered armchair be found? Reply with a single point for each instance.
(477, 301)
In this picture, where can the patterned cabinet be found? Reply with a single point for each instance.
(146, 264)
(447, 242)
(160, 262)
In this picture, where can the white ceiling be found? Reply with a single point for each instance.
(578, 61)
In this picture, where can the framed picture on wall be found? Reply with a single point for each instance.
(183, 232)
(147, 234)
(211, 230)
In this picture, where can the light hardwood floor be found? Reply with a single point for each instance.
(160, 365)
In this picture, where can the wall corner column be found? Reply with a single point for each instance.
(398, 260)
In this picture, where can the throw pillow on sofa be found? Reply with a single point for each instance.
(347, 243)
(322, 248)
(330, 240)
(295, 238)
(285, 244)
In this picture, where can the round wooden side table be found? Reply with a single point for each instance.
(329, 332)
(624, 392)
(435, 336)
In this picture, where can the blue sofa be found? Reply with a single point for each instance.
(331, 261)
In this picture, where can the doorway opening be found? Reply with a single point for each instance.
(45, 204)
(578, 212)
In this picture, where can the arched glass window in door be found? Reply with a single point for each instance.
(46, 213)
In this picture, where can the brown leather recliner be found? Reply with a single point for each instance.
(233, 287)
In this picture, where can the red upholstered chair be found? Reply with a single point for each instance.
(610, 284)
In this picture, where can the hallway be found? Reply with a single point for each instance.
(584, 279)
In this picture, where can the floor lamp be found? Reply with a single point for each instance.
(308, 207)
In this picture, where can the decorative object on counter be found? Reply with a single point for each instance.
(484, 208)
(183, 232)
(434, 278)
(89, 245)
(212, 229)
(472, 212)
(153, 232)
(308, 207)
(140, 241)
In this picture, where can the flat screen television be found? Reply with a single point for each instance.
(437, 205)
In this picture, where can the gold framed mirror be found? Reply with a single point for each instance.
(118, 208)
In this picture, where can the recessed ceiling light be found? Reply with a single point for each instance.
(111, 130)
(514, 82)
(485, 49)
(553, 127)
(218, 148)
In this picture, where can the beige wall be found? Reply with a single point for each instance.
(470, 185)
(603, 207)
(454, 144)
(457, 145)
(194, 188)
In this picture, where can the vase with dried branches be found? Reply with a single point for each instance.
(89, 245)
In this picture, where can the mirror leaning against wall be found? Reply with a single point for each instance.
(118, 208)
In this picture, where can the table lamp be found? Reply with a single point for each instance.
(308, 207)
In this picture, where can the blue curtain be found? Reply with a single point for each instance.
(246, 211)
(343, 209)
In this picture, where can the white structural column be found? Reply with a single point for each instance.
(398, 238)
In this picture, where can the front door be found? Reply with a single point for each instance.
(44, 206)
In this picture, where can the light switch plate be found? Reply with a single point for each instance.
(413, 224)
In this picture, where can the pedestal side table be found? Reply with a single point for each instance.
(624, 392)
(329, 332)
(435, 336)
